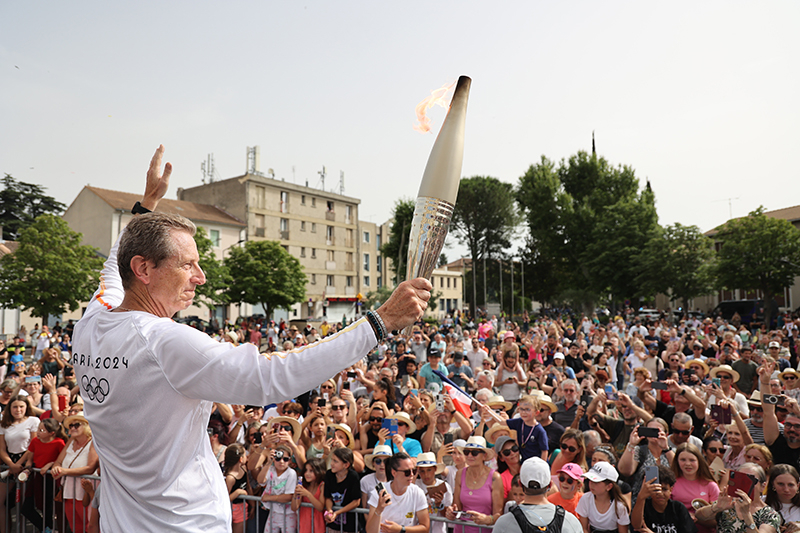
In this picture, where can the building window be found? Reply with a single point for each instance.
(330, 206)
(302, 225)
(260, 221)
(366, 262)
(313, 253)
(366, 237)
(366, 281)
(284, 202)
(441, 283)
(441, 304)
(349, 216)
(379, 260)
(330, 280)
(285, 247)
(302, 199)
(349, 281)
(378, 242)
(313, 202)
(261, 195)
(331, 255)
(313, 279)
(448, 283)
(380, 282)
(284, 224)
(313, 227)
(455, 283)
(302, 251)
(214, 236)
(329, 233)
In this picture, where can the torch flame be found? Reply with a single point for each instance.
(436, 97)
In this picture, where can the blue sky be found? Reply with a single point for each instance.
(699, 97)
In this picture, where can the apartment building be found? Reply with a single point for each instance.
(448, 289)
(318, 227)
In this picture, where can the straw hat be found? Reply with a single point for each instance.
(755, 398)
(698, 362)
(282, 420)
(791, 371)
(477, 443)
(548, 402)
(74, 418)
(428, 459)
(499, 401)
(402, 416)
(381, 450)
(346, 431)
(491, 434)
(726, 369)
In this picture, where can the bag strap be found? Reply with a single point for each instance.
(558, 521)
(526, 527)
(522, 520)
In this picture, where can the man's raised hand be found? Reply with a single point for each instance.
(157, 182)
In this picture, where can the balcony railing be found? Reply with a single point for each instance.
(330, 215)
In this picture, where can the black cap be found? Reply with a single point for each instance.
(435, 353)
(458, 356)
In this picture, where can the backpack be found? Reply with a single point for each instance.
(527, 527)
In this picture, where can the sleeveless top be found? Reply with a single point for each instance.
(240, 483)
(479, 500)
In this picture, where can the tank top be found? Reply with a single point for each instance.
(240, 483)
(479, 500)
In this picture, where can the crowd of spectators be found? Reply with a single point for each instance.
(662, 425)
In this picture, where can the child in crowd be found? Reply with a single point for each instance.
(603, 507)
(43, 450)
(568, 491)
(279, 482)
(236, 481)
(515, 496)
(656, 510)
(342, 487)
(311, 490)
(531, 436)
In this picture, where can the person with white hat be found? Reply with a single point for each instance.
(399, 442)
(536, 512)
(400, 503)
(604, 493)
(375, 461)
(478, 488)
(728, 376)
(438, 493)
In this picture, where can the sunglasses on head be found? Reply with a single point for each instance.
(566, 479)
(474, 453)
(408, 473)
(509, 451)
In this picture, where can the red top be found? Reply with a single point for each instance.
(45, 452)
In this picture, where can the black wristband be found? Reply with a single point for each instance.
(138, 209)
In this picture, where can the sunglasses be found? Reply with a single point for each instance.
(377, 461)
(376, 419)
(474, 453)
(399, 424)
(408, 473)
(681, 432)
(566, 479)
(337, 407)
(327, 387)
(76, 425)
(717, 450)
(723, 376)
(287, 459)
(756, 408)
(571, 449)
(287, 428)
(509, 451)
(791, 378)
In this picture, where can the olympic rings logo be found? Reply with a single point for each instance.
(95, 389)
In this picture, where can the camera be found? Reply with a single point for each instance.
(773, 399)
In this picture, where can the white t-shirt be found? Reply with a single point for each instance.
(156, 374)
(538, 515)
(790, 513)
(281, 516)
(447, 500)
(586, 507)
(19, 436)
(403, 509)
(368, 484)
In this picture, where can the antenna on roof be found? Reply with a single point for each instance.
(322, 177)
(208, 169)
(254, 161)
(341, 182)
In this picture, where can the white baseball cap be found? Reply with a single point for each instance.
(602, 471)
(535, 470)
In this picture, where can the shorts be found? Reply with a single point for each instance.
(239, 512)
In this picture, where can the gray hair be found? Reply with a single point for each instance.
(483, 394)
(9, 384)
(683, 418)
(149, 236)
(488, 375)
(592, 438)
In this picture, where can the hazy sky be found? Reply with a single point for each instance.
(701, 98)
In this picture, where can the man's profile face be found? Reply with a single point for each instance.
(173, 282)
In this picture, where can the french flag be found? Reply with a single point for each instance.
(461, 400)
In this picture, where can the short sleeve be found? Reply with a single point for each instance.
(541, 438)
(583, 505)
(353, 488)
(330, 479)
(420, 501)
(291, 482)
(623, 516)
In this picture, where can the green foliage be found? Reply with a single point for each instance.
(376, 298)
(262, 272)
(21, 203)
(677, 260)
(586, 220)
(51, 271)
(212, 293)
(758, 253)
(442, 260)
(433, 303)
(396, 247)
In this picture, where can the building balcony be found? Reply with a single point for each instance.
(331, 241)
(350, 265)
(284, 235)
(330, 290)
(349, 291)
(330, 265)
(261, 232)
(330, 215)
(348, 243)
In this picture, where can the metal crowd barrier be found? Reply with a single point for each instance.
(26, 513)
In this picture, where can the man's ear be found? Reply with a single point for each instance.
(142, 268)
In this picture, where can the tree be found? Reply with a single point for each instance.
(212, 293)
(396, 247)
(677, 260)
(442, 260)
(263, 272)
(758, 252)
(586, 220)
(21, 203)
(484, 218)
(376, 298)
(51, 272)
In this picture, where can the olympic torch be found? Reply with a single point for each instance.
(439, 189)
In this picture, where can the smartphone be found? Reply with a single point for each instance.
(741, 481)
(346, 385)
(414, 392)
(586, 399)
(321, 402)
(352, 375)
(391, 425)
(463, 515)
(721, 415)
(331, 432)
(448, 438)
(688, 373)
(33, 379)
(651, 472)
(326, 395)
(257, 437)
(648, 432)
(379, 487)
(611, 394)
(62, 403)
(440, 403)
(659, 385)
(717, 382)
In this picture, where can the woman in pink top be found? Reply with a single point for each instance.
(478, 490)
(693, 480)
